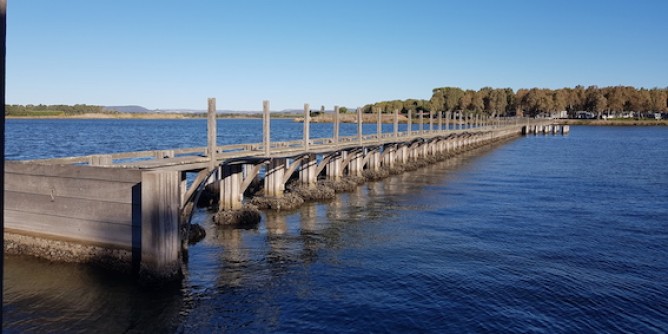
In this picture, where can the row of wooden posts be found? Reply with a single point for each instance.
(463, 118)
(385, 149)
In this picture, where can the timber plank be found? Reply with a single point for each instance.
(78, 208)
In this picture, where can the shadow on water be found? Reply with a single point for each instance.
(55, 297)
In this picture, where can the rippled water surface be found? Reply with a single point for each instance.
(541, 234)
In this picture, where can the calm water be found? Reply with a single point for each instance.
(543, 234)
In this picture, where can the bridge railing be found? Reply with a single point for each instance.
(199, 154)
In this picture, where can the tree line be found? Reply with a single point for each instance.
(53, 110)
(531, 102)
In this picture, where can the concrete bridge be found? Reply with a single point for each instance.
(129, 210)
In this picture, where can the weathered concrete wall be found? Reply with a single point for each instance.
(81, 209)
(123, 218)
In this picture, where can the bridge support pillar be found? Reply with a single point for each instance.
(308, 170)
(565, 129)
(356, 164)
(334, 168)
(374, 160)
(390, 156)
(160, 237)
(231, 177)
(274, 184)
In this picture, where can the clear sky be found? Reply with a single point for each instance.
(174, 54)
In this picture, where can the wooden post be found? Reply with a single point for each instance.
(396, 123)
(212, 132)
(421, 121)
(160, 244)
(266, 127)
(379, 126)
(336, 125)
(307, 123)
(440, 121)
(410, 123)
(359, 125)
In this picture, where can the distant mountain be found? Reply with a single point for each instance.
(129, 109)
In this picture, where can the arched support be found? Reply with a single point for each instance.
(308, 171)
(335, 166)
(274, 180)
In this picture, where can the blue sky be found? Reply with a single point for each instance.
(174, 54)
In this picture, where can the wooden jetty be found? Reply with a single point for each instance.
(128, 210)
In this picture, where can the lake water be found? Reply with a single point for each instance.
(564, 234)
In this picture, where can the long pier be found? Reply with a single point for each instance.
(130, 210)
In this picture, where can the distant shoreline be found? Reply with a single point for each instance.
(344, 118)
(132, 116)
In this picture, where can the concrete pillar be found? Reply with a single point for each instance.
(231, 197)
(565, 129)
(402, 154)
(390, 156)
(308, 170)
(160, 237)
(374, 160)
(273, 180)
(334, 168)
(356, 164)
